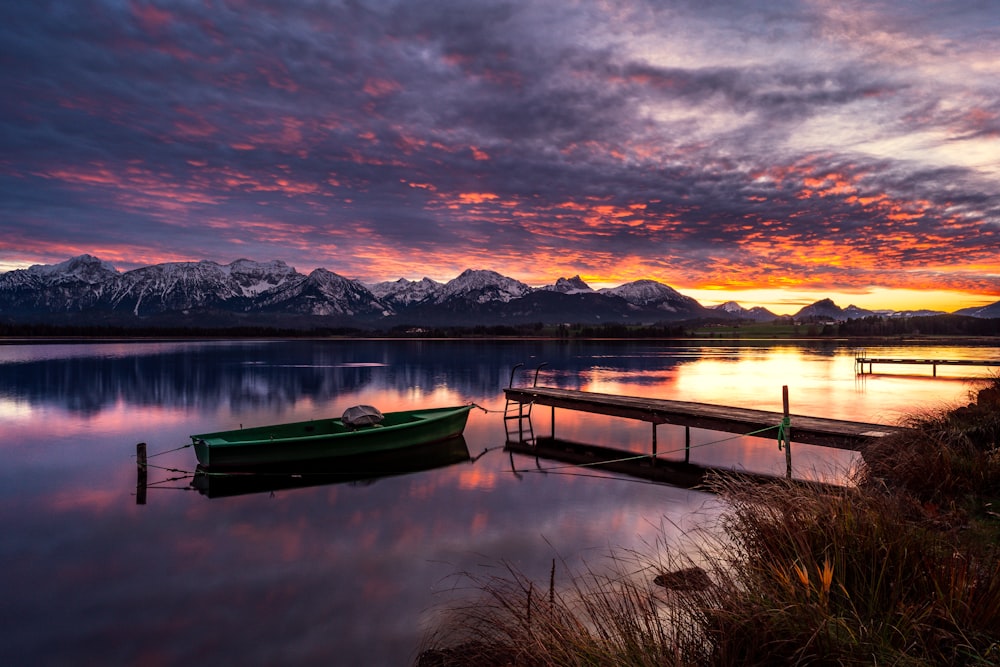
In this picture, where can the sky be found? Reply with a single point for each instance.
(770, 153)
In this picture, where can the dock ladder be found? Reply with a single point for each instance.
(521, 415)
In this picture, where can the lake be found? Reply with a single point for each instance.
(353, 571)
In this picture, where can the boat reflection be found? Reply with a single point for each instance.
(358, 470)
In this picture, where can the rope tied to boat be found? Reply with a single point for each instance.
(175, 449)
(489, 411)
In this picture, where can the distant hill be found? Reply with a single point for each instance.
(990, 311)
(826, 309)
(755, 314)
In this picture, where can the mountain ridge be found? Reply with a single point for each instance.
(205, 291)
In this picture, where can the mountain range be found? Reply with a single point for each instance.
(87, 290)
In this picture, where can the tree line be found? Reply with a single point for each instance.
(868, 327)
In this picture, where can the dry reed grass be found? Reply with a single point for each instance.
(885, 571)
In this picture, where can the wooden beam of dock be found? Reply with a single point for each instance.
(835, 433)
(860, 361)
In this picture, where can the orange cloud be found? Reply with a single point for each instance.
(477, 197)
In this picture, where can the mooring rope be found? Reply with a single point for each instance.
(175, 449)
(166, 469)
(498, 411)
(158, 483)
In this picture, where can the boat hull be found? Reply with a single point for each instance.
(363, 469)
(326, 439)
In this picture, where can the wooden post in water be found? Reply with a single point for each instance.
(787, 432)
(654, 442)
(140, 483)
(553, 422)
(687, 444)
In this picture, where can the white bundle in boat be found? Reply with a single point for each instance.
(362, 415)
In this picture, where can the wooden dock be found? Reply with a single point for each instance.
(861, 361)
(760, 423)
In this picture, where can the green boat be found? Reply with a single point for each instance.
(361, 470)
(326, 439)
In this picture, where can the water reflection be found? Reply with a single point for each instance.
(344, 573)
(269, 374)
(90, 378)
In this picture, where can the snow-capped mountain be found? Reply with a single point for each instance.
(481, 286)
(178, 286)
(403, 292)
(322, 293)
(85, 268)
(255, 278)
(74, 285)
(652, 294)
(87, 284)
(86, 289)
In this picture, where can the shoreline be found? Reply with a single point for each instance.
(880, 340)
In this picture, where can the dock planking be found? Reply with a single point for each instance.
(835, 433)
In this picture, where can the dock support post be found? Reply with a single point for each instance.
(787, 433)
(654, 441)
(140, 482)
(687, 444)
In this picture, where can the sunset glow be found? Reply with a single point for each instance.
(847, 150)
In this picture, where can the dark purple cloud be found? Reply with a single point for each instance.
(695, 143)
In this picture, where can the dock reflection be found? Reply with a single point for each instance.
(648, 467)
(357, 470)
(596, 457)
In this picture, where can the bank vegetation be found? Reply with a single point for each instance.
(875, 329)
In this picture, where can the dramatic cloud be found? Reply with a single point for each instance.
(813, 145)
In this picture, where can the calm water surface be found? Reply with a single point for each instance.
(353, 572)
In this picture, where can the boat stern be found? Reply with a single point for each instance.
(201, 450)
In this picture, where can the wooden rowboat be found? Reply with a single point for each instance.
(325, 439)
(361, 470)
